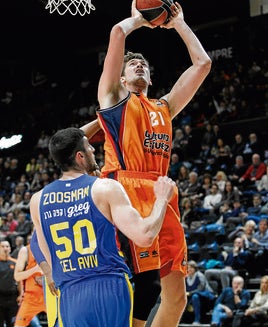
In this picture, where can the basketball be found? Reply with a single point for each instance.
(157, 12)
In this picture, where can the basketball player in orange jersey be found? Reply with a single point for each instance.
(138, 133)
(29, 273)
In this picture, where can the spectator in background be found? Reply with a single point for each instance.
(25, 181)
(238, 145)
(190, 187)
(25, 203)
(264, 208)
(222, 108)
(19, 243)
(260, 237)
(245, 232)
(19, 189)
(42, 143)
(9, 224)
(229, 195)
(234, 217)
(188, 143)
(220, 180)
(233, 259)
(31, 168)
(237, 170)
(177, 144)
(188, 214)
(254, 172)
(37, 182)
(252, 146)
(174, 166)
(205, 160)
(212, 199)
(222, 154)
(258, 308)
(24, 228)
(183, 176)
(259, 247)
(13, 171)
(4, 206)
(217, 133)
(254, 211)
(229, 301)
(206, 184)
(199, 293)
(208, 136)
(17, 204)
(262, 184)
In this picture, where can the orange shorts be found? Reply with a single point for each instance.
(29, 308)
(170, 244)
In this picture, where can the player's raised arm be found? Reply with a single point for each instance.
(110, 90)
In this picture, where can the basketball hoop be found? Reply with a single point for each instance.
(74, 7)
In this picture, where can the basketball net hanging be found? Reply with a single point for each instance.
(74, 7)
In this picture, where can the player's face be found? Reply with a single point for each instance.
(90, 161)
(5, 248)
(137, 70)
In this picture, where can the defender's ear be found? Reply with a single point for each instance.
(79, 155)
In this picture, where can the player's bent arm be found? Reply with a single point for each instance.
(110, 90)
(91, 128)
(34, 210)
(20, 273)
(118, 209)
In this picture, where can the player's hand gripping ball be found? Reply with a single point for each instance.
(157, 12)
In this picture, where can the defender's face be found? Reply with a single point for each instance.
(90, 162)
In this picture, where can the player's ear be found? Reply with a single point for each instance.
(150, 83)
(79, 155)
(123, 80)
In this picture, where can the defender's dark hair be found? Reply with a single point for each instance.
(63, 146)
(132, 55)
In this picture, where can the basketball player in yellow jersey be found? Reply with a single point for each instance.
(137, 147)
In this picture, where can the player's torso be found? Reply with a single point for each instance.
(139, 135)
(81, 240)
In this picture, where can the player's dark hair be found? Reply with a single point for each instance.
(63, 146)
(132, 55)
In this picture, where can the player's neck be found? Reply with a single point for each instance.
(138, 89)
(71, 174)
(4, 257)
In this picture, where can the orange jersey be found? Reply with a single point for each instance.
(138, 136)
(33, 299)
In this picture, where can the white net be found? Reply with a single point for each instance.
(74, 7)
